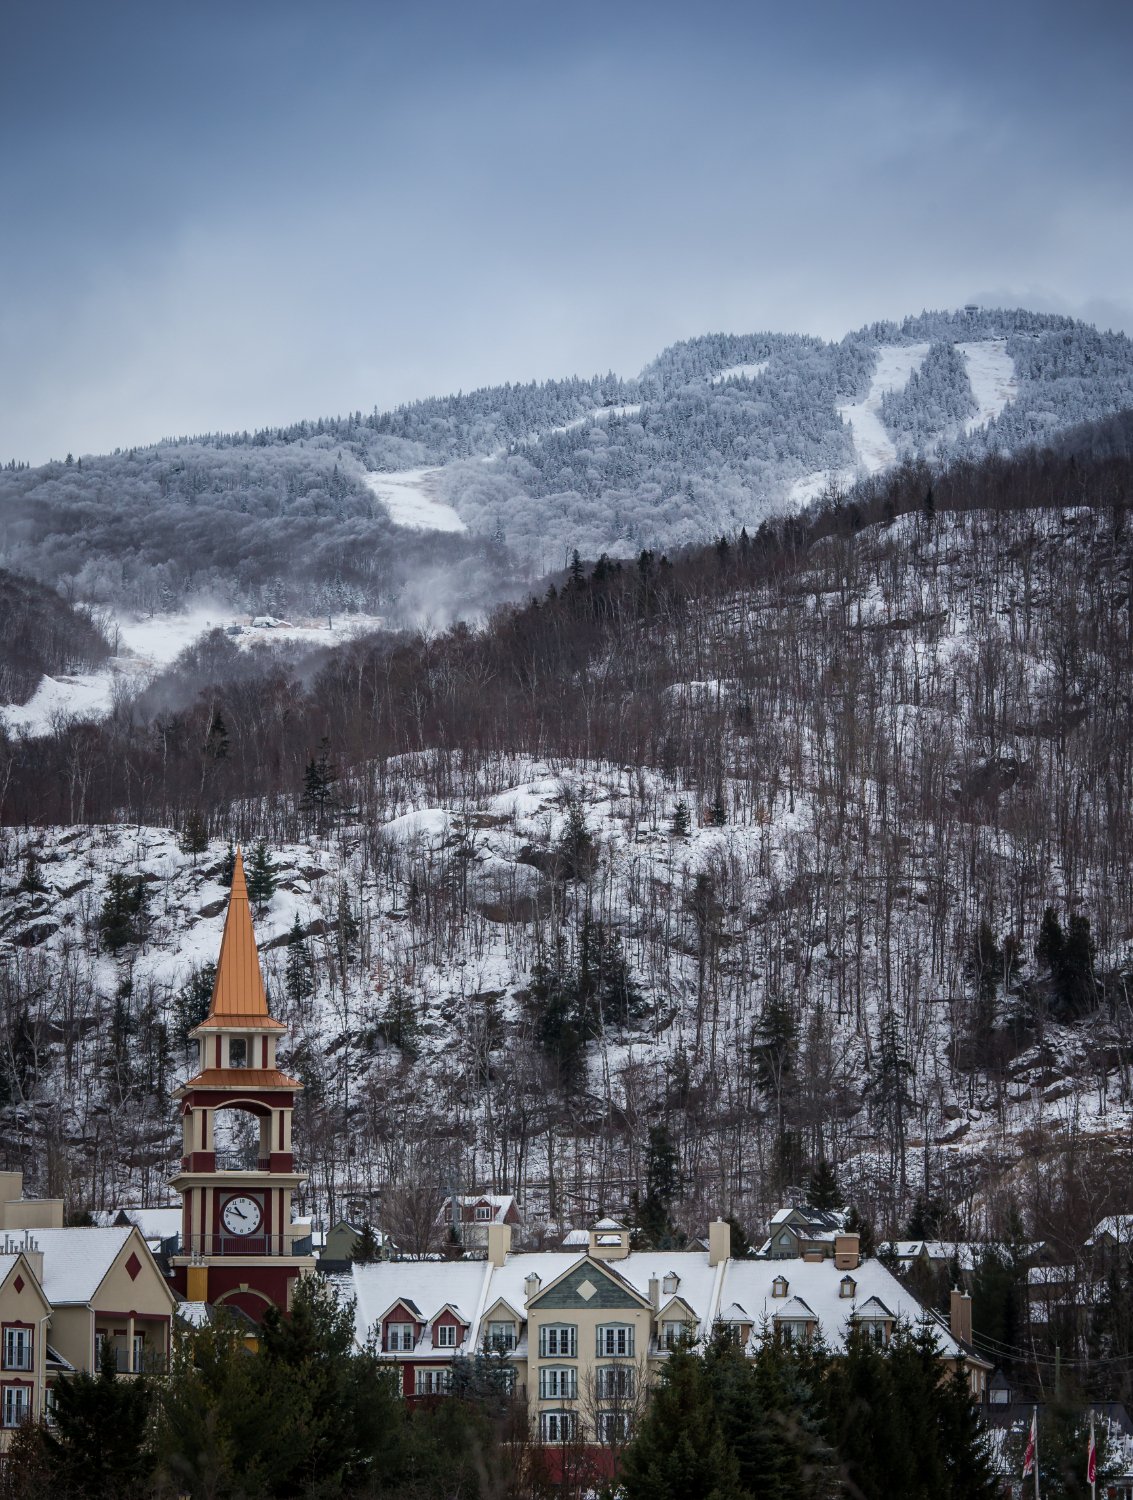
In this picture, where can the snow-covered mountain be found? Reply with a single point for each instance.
(442, 507)
(760, 848)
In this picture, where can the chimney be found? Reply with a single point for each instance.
(531, 1285)
(34, 1213)
(654, 1293)
(847, 1252)
(34, 1258)
(960, 1316)
(719, 1241)
(499, 1243)
(11, 1189)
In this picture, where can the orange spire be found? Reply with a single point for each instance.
(238, 997)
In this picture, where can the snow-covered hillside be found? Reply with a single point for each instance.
(795, 915)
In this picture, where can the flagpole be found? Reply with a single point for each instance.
(1036, 1422)
(1093, 1460)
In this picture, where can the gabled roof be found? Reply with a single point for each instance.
(598, 1267)
(76, 1261)
(500, 1309)
(608, 1224)
(872, 1307)
(238, 996)
(449, 1307)
(407, 1303)
(734, 1313)
(678, 1303)
(796, 1310)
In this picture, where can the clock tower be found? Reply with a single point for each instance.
(238, 1246)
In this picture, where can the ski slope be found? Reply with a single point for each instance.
(407, 495)
(991, 375)
(895, 364)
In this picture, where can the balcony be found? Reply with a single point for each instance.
(18, 1357)
(242, 1161)
(145, 1361)
(242, 1244)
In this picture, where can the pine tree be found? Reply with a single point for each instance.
(261, 876)
(822, 1189)
(216, 739)
(32, 880)
(318, 783)
(194, 997)
(98, 1445)
(194, 834)
(367, 1250)
(299, 982)
(717, 815)
(228, 864)
(121, 920)
(679, 1450)
(679, 825)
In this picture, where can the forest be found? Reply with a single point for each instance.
(672, 885)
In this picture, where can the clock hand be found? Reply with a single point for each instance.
(238, 1212)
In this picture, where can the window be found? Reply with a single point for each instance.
(876, 1331)
(737, 1331)
(615, 1382)
(400, 1336)
(445, 1335)
(99, 1346)
(615, 1338)
(558, 1383)
(792, 1330)
(501, 1336)
(556, 1426)
(847, 1286)
(785, 1240)
(613, 1426)
(237, 1052)
(139, 1351)
(483, 1212)
(17, 1348)
(672, 1332)
(17, 1405)
(779, 1287)
(559, 1340)
(670, 1283)
(433, 1382)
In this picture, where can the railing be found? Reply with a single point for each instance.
(242, 1244)
(242, 1161)
(145, 1362)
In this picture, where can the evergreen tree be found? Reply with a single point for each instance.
(318, 783)
(216, 739)
(121, 919)
(228, 864)
(32, 880)
(662, 1185)
(367, 1250)
(194, 998)
(679, 1450)
(261, 876)
(299, 982)
(822, 1189)
(717, 815)
(97, 1447)
(680, 822)
(194, 834)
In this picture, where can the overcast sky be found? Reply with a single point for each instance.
(223, 216)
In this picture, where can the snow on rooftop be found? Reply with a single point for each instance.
(76, 1260)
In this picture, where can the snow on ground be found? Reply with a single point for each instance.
(407, 495)
(895, 364)
(991, 374)
(740, 372)
(599, 414)
(813, 486)
(146, 646)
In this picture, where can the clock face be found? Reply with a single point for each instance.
(241, 1215)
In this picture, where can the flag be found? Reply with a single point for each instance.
(1032, 1444)
(1092, 1456)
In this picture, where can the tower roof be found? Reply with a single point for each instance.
(238, 997)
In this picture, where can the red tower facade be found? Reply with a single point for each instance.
(239, 1247)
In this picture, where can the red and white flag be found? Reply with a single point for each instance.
(1032, 1445)
(1092, 1456)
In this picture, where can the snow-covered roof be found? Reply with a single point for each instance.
(608, 1224)
(818, 1284)
(1117, 1227)
(195, 1314)
(6, 1264)
(580, 1237)
(872, 1307)
(795, 1310)
(155, 1224)
(426, 1285)
(76, 1260)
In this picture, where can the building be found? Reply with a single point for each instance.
(583, 1335)
(66, 1296)
(474, 1213)
(238, 1245)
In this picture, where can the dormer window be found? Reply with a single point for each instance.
(779, 1287)
(483, 1212)
(847, 1287)
(237, 1052)
(445, 1336)
(670, 1284)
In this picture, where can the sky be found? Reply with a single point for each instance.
(224, 216)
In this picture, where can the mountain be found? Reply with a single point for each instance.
(439, 509)
(808, 846)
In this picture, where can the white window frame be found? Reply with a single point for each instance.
(558, 1341)
(400, 1337)
(558, 1383)
(431, 1382)
(483, 1213)
(17, 1406)
(615, 1341)
(613, 1426)
(445, 1336)
(673, 1330)
(501, 1335)
(19, 1349)
(557, 1426)
(615, 1382)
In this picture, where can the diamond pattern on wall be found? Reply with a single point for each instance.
(133, 1266)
